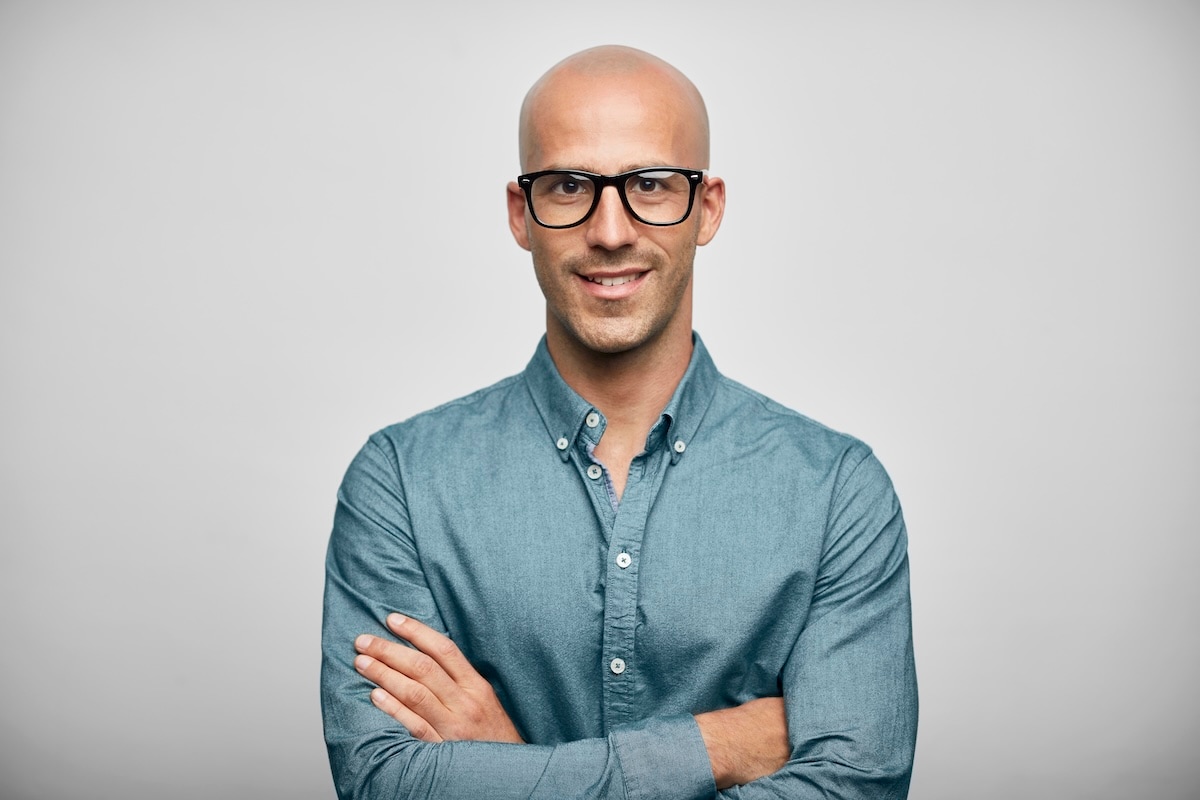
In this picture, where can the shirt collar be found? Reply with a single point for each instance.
(692, 396)
(563, 411)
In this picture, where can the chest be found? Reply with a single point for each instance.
(697, 572)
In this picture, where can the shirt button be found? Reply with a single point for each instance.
(680, 446)
(594, 472)
(562, 443)
(624, 560)
(593, 419)
(617, 666)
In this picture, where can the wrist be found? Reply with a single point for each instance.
(745, 742)
(716, 743)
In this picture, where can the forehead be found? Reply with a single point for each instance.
(612, 123)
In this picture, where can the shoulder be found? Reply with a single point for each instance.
(813, 459)
(491, 409)
(748, 413)
(438, 437)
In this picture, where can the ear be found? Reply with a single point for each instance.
(712, 208)
(518, 220)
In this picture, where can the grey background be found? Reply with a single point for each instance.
(236, 238)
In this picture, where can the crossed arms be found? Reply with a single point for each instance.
(433, 691)
(422, 721)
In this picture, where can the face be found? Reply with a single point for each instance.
(614, 284)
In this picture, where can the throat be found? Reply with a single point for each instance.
(617, 454)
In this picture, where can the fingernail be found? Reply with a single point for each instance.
(364, 641)
(362, 662)
(377, 696)
(396, 620)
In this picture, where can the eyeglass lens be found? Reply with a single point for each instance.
(655, 196)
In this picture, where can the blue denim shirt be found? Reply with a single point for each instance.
(754, 553)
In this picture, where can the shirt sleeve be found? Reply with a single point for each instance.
(372, 569)
(849, 685)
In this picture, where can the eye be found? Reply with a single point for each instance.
(651, 182)
(570, 185)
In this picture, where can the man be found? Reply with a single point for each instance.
(618, 574)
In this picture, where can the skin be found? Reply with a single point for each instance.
(623, 348)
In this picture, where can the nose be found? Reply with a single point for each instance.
(610, 225)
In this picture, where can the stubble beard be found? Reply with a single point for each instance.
(615, 326)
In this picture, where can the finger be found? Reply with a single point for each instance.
(417, 726)
(414, 664)
(437, 646)
(423, 709)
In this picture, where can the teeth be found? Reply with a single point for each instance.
(615, 281)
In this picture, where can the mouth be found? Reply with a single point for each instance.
(614, 280)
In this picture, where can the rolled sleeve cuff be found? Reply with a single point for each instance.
(664, 757)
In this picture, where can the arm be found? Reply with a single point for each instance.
(373, 568)
(434, 692)
(745, 742)
(430, 688)
(850, 681)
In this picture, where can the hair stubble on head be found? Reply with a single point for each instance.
(615, 61)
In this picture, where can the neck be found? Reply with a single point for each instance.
(630, 388)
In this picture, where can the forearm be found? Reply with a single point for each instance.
(850, 681)
(863, 752)
(372, 757)
(746, 742)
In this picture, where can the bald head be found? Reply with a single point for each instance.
(610, 81)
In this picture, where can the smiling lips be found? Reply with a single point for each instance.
(615, 281)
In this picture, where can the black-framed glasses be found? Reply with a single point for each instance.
(564, 198)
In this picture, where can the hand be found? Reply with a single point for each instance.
(433, 690)
(746, 742)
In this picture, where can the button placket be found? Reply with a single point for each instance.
(619, 647)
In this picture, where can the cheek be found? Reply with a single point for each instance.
(680, 247)
(539, 253)
(541, 241)
(552, 255)
(544, 269)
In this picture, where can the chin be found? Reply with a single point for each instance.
(611, 340)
